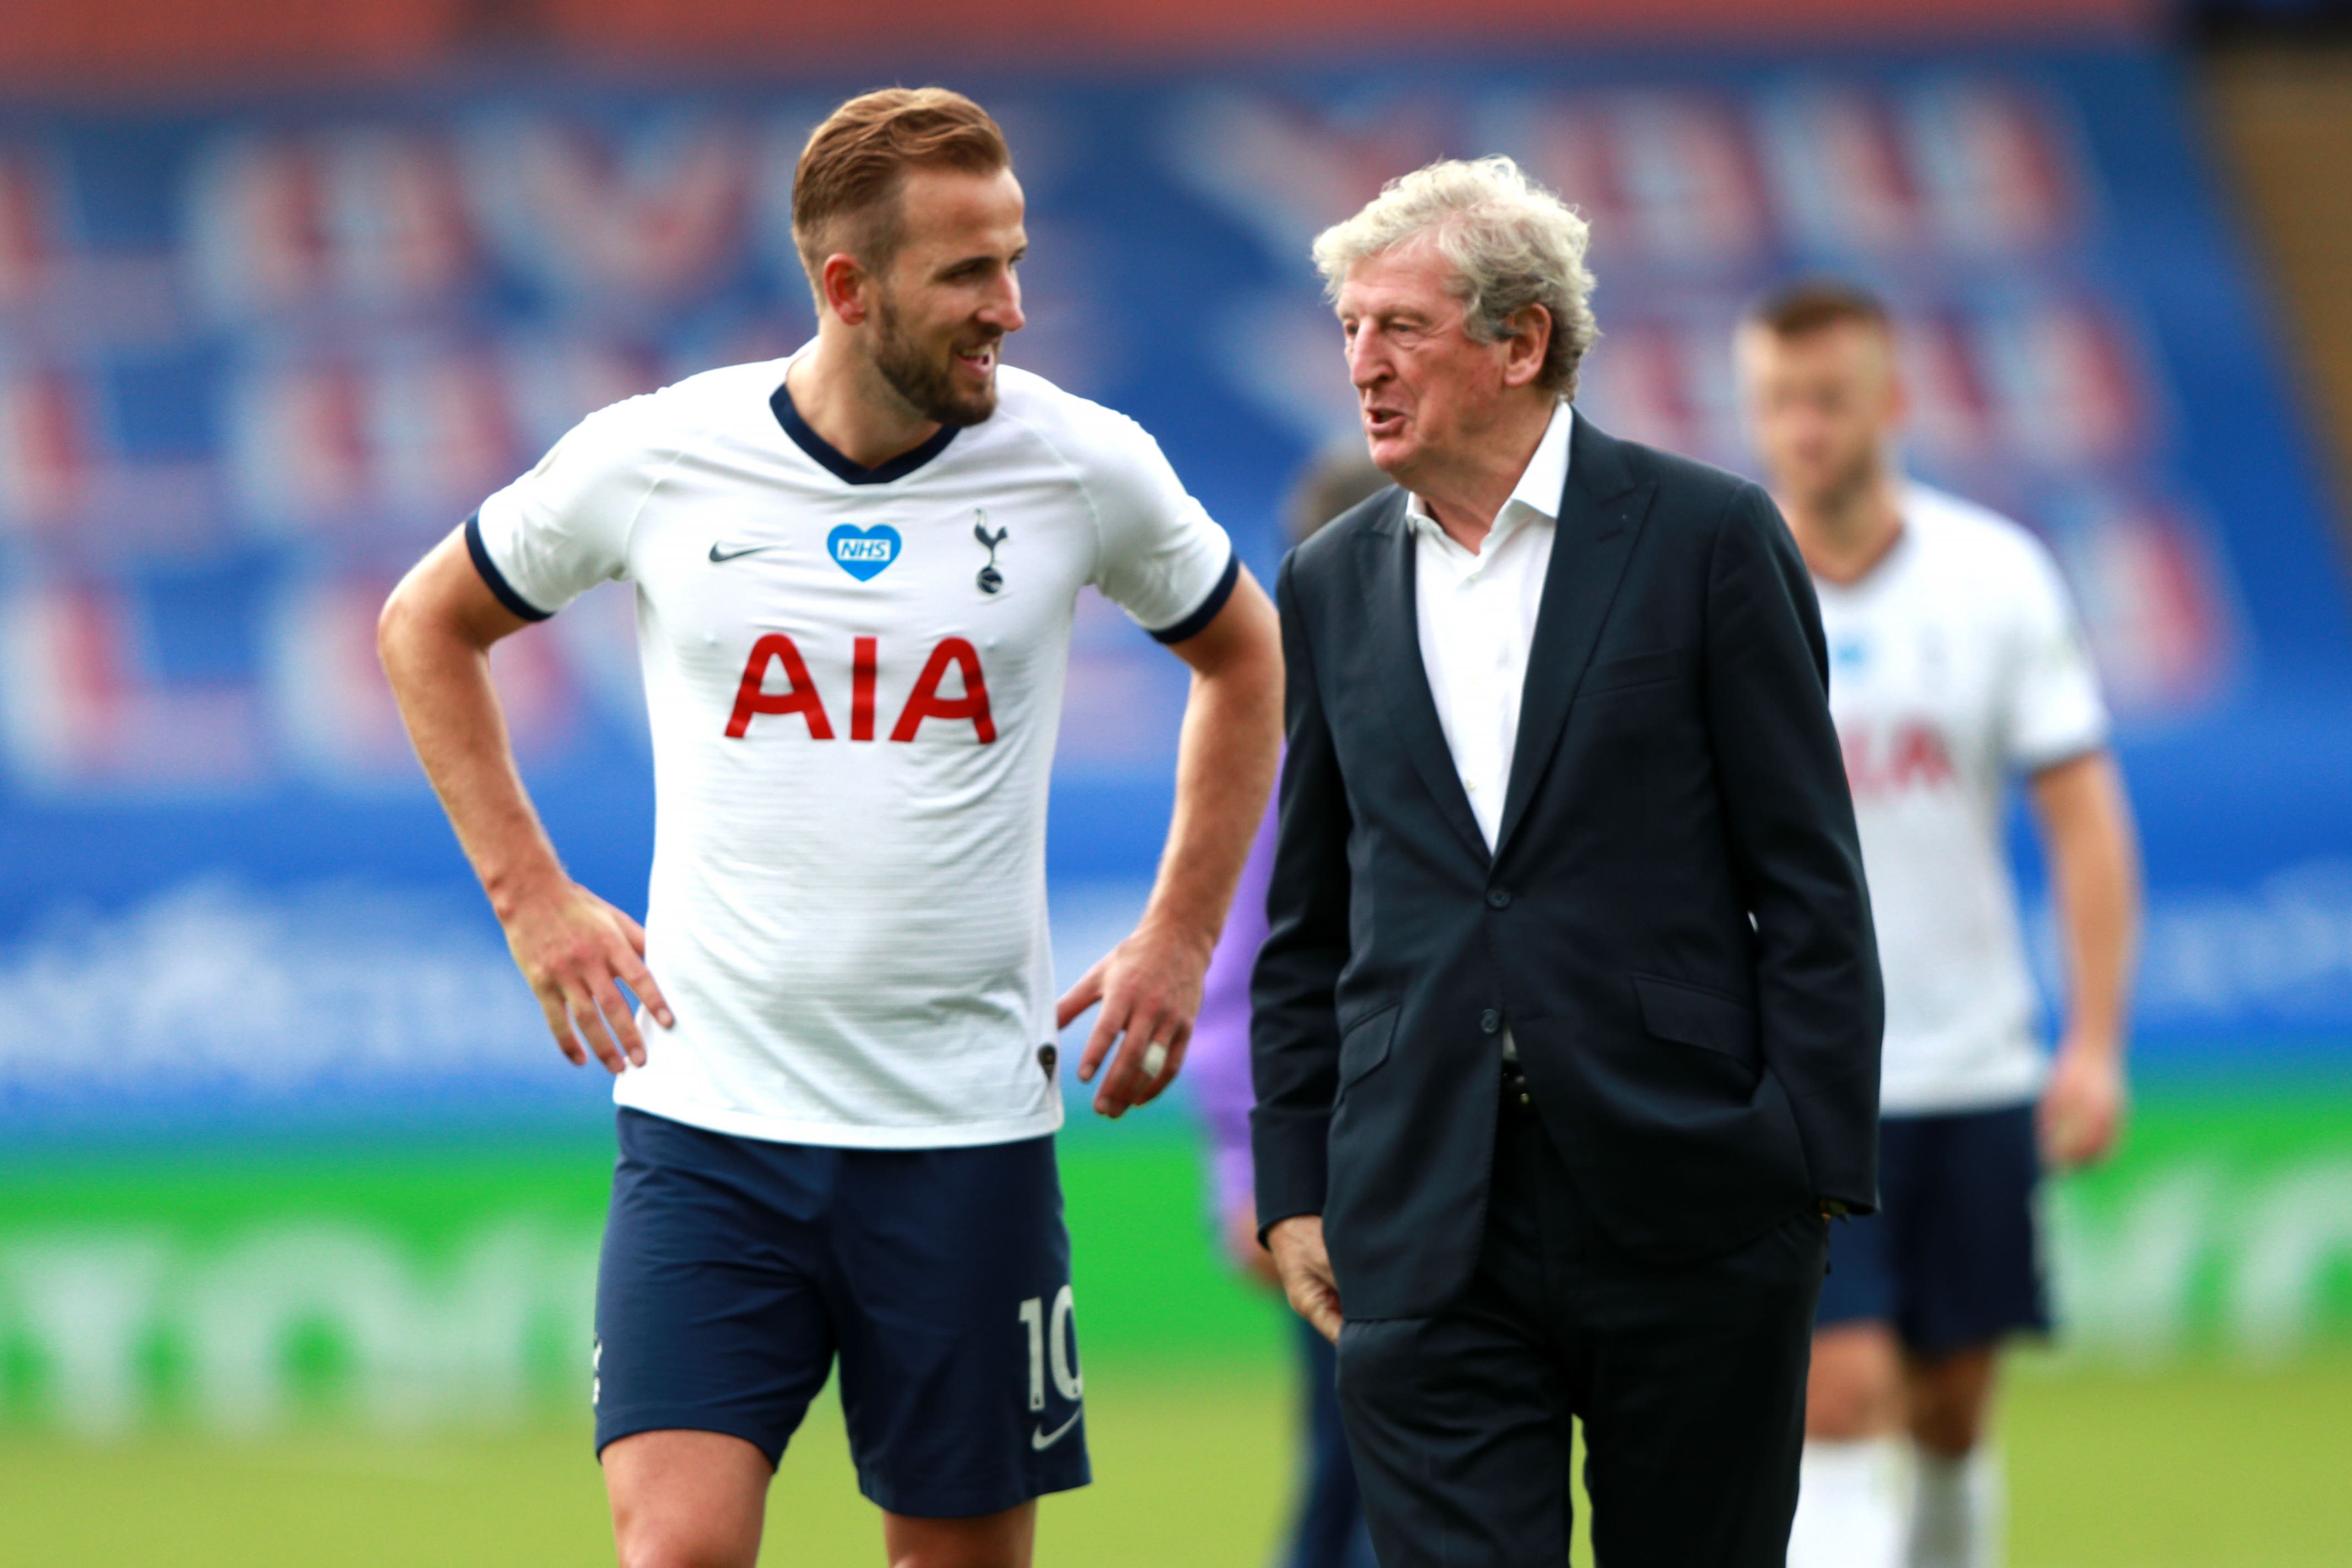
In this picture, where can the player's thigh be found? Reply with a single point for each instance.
(1005, 1539)
(1694, 1388)
(1854, 1389)
(711, 1314)
(960, 1380)
(686, 1499)
(1461, 1429)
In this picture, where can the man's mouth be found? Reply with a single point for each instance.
(980, 360)
(1380, 421)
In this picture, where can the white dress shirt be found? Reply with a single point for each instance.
(1477, 614)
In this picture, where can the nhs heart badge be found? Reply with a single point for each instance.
(863, 552)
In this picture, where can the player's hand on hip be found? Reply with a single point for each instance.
(2082, 1109)
(1149, 988)
(577, 951)
(1305, 1267)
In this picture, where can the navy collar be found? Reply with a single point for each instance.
(848, 472)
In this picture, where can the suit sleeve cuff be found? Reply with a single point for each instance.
(1292, 1152)
(1854, 1193)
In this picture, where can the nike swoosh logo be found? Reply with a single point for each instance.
(720, 557)
(1041, 1439)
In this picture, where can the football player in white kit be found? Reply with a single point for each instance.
(1956, 666)
(856, 571)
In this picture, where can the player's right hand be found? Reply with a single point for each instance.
(573, 947)
(1299, 1258)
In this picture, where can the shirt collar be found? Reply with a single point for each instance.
(1538, 491)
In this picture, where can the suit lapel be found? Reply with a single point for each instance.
(1600, 516)
(1385, 556)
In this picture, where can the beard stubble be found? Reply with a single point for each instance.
(926, 382)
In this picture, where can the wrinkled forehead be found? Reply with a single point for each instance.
(1410, 275)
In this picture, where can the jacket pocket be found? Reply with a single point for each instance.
(1691, 1015)
(1634, 670)
(1364, 1044)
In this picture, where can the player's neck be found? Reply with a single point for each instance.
(846, 401)
(1844, 537)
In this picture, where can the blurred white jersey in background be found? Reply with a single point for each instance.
(1955, 664)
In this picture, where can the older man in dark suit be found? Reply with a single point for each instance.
(1567, 1028)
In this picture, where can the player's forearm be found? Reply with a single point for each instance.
(1231, 744)
(2095, 873)
(441, 680)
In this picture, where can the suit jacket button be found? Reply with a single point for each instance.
(1490, 1022)
(1498, 898)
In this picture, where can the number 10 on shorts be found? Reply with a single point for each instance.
(1050, 1343)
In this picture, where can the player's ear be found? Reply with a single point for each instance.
(845, 284)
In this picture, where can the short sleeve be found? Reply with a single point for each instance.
(2054, 710)
(564, 527)
(1164, 560)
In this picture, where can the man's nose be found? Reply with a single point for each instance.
(1366, 366)
(1003, 312)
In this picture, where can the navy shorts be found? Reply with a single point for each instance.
(1951, 1258)
(735, 1270)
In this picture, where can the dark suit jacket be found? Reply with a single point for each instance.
(1673, 924)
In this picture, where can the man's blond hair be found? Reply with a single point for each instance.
(845, 189)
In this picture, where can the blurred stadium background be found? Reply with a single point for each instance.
(298, 1209)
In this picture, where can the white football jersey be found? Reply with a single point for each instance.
(853, 678)
(1955, 664)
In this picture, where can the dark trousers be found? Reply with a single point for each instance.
(1328, 1529)
(1690, 1380)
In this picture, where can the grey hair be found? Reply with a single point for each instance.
(1509, 242)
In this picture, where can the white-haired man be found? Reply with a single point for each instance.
(1567, 1027)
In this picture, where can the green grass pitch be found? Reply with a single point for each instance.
(2205, 1464)
(2203, 1469)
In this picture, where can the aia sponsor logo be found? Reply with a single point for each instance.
(801, 697)
(1883, 760)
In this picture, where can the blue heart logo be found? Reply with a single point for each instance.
(863, 552)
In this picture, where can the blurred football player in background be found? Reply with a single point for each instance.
(1957, 664)
(1328, 1528)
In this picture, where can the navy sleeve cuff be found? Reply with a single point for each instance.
(1290, 1150)
(1192, 625)
(497, 580)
